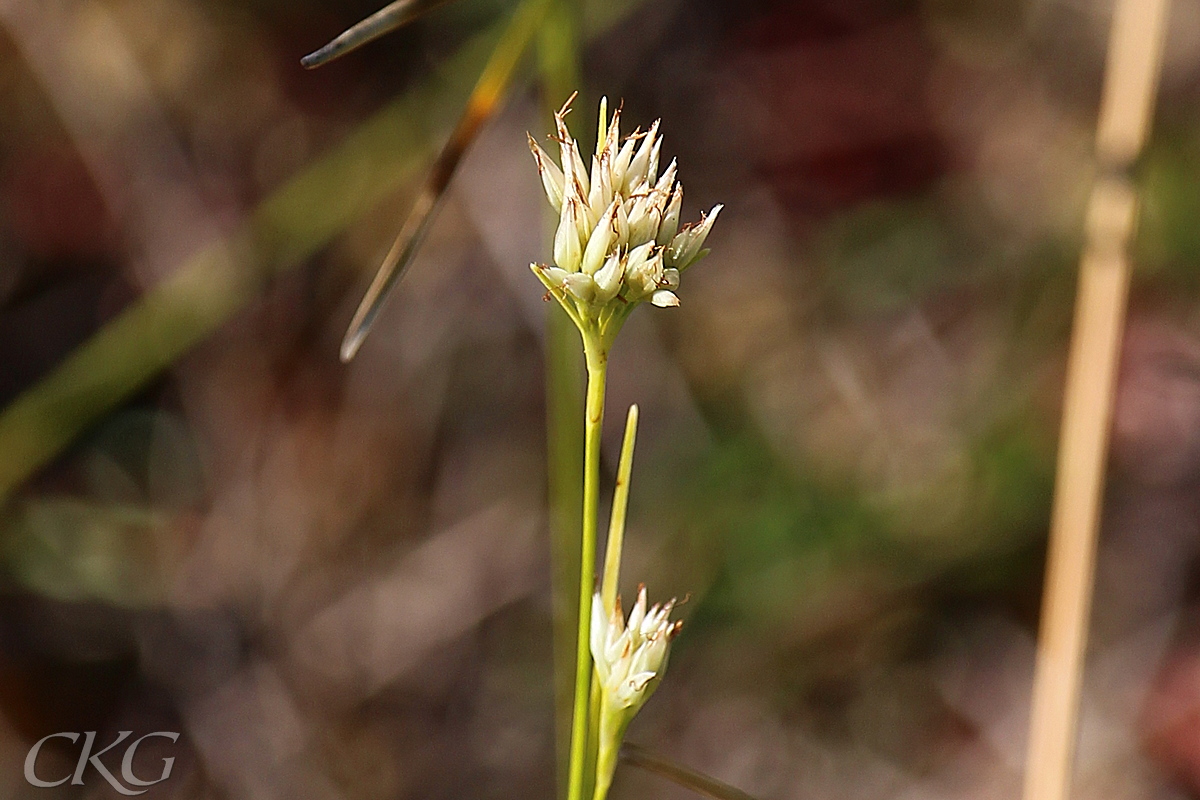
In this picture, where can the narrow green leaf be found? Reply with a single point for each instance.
(616, 523)
(486, 98)
(383, 21)
(213, 285)
(558, 68)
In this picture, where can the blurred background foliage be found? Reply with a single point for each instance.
(335, 580)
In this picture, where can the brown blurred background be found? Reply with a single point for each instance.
(334, 580)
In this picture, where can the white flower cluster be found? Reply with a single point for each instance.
(618, 240)
(631, 658)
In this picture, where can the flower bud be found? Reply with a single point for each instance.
(652, 170)
(620, 164)
(635, 175)
(685, 247)
(552, 176)
(664, 298)
(580, 286)
(601, 239)
(618, 227)
(567, 252)
(631, 658)
(670, 222)
(608, 278)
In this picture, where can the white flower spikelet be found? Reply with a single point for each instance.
(618, 241)
(631, 658)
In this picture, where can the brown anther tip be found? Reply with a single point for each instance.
(566, 107)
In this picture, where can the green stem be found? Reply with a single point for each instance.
(596, 355)
(589, 762)
(612, 732)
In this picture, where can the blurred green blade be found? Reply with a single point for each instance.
(702, 785)
(209, 288)
(558, 68)
(485, 100)
(395, 264)
(384, 21)
(76, 551)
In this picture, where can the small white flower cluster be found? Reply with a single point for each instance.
(631, 658)
(618, 240)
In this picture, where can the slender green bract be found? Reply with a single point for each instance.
(616, 523)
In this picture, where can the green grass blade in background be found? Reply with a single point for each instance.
(486, 99)
(382, 22)
(564, 441)
(299, 218)
(558, 63)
